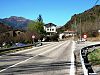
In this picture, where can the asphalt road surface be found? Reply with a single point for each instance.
(55, 58)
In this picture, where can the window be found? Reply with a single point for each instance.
(18, 32)
(52, 29)
(47, 29)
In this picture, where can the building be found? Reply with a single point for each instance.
(50, 28)
(69, 33)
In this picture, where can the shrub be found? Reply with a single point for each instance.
(94, 57)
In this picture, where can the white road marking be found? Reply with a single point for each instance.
(72, 67)
(31, 57)
(32, 49)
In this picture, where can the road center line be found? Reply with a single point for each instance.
(72, 67)
(31, 57)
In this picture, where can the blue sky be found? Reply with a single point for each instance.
(55, 11)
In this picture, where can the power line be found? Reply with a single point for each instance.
(96, 2)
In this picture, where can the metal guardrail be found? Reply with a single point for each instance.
(12, 48)
(8, 49)
(87, 69)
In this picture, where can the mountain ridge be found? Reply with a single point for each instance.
(16, 22)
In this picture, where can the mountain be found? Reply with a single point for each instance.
(4, 28)
(86, 22)
(16, 22)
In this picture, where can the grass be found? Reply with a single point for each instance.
(94, 57)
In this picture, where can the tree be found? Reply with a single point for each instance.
(40, 19)
(36, 26)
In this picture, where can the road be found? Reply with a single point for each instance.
(55, 58)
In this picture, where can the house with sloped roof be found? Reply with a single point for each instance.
(50, 28)
(69, 33)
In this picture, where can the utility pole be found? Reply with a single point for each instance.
(75, 28)
(80, 30)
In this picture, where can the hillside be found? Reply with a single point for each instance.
(87, 22)
(16, 22)
(4, 28)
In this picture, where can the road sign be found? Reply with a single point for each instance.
(84, 36)
(33, 36)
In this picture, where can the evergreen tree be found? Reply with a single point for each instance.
(37, 26)
(40, 19)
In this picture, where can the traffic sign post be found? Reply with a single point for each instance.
(85, 36)
(33, 37)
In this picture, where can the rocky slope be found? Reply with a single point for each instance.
(87, 22)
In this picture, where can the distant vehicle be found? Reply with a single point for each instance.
(38, 43)
(81, 40)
